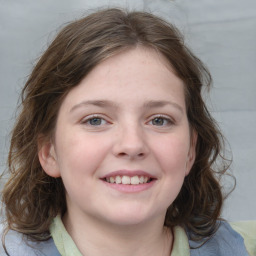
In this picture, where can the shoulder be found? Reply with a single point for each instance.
(247, 229)
(17, 244)
(225, 242)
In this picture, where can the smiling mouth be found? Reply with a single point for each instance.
(126, 180)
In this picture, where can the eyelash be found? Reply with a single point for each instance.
(168, 121)
(87, 120)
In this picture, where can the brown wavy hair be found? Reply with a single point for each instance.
(32, 198)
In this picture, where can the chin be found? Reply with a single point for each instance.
(131, 217)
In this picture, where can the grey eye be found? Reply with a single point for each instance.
(95, 121)
(159, 121)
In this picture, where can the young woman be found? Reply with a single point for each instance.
(113, 150)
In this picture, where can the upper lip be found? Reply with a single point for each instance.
(129, 173)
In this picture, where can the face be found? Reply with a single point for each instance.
(122, 142)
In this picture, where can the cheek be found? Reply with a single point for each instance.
(172, 154)
(80, 154)
(172, 157)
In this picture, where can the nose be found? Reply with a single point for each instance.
(131, 143)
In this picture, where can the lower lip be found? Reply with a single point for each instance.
(130, 188)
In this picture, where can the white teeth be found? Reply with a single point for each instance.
(126, 180)
(141, 179)
(135, 180)
(118, 180)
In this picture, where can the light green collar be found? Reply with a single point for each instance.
(67, 247)
(62, 239)
(180, 243)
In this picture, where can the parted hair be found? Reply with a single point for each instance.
(32, 198)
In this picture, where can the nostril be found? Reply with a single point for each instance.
(122, 154)
(131, 155)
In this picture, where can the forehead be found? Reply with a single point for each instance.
(140, 57)
(133, 75)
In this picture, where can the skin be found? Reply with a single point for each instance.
(128, 114)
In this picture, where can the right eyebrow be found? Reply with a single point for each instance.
(98, 103)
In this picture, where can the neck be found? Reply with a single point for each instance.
(93, 237)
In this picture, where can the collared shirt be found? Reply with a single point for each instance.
(225, 242)
(181, 245)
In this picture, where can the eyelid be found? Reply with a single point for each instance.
(170, 120)
(84, 120)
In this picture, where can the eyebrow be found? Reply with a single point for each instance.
(98, 103)
(109, 104)
(161, 103)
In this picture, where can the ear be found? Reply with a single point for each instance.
(47, 157)
(192, 152)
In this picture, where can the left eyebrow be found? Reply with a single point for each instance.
(158, 104)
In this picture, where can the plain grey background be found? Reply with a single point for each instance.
(221, 33)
